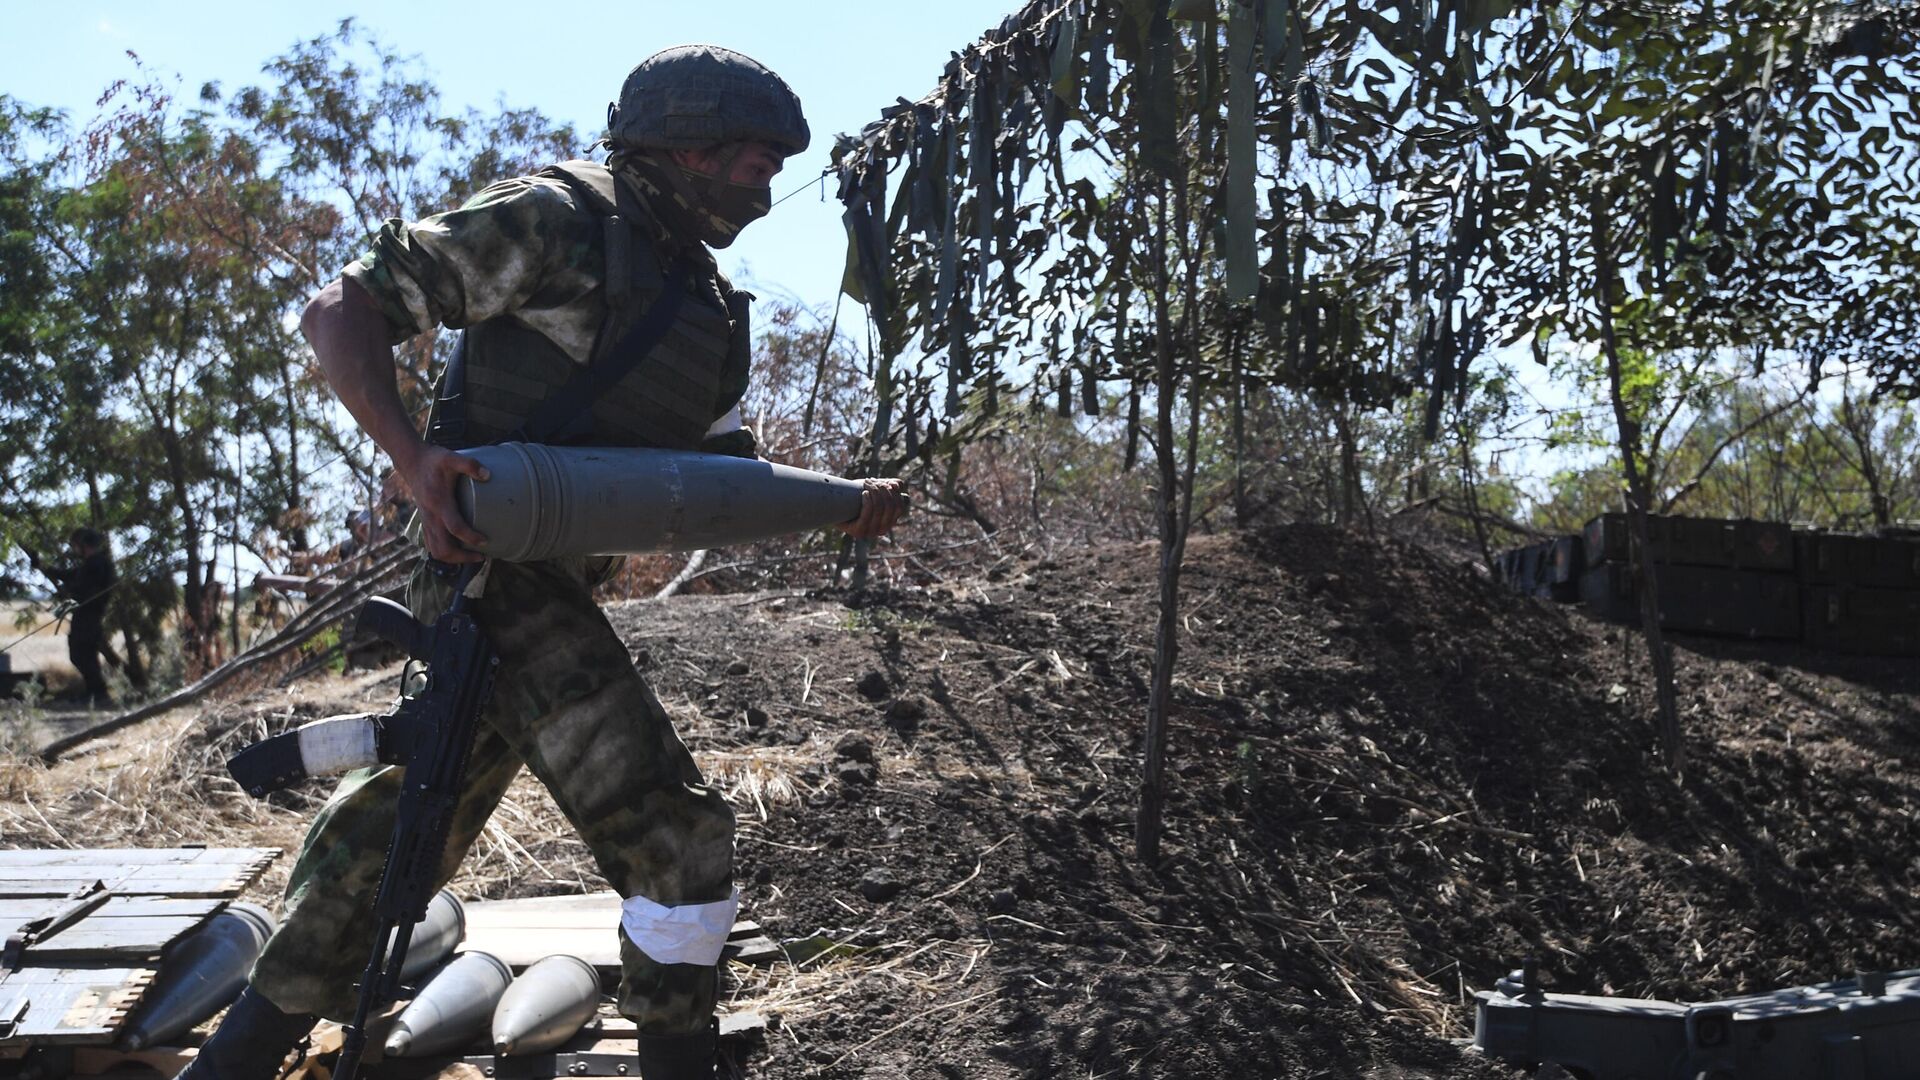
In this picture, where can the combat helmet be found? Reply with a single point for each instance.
(693, 96)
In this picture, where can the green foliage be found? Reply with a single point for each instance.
(326, 643)
(1740, 446)
(155, 264)
(1434, 180)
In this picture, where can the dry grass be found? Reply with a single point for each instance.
(919, 980)
(165, 787)
(164, 783)
(530, 849)
(760, 779)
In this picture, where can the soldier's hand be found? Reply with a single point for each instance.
(883, 501)
(430, 475)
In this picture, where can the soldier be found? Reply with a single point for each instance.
(86, 583)
(570, 266)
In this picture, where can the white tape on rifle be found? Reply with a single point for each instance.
(336, 744)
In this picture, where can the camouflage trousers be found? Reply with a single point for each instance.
(568, 704)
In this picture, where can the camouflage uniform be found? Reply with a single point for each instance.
(527, 254)
(567, 701)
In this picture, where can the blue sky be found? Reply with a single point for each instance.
(845, 58)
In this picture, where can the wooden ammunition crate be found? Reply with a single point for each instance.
(1855, 619)
(1701, 599)
(1568, 559)
(1689, 541)
(1549, 569)
(1878, 562)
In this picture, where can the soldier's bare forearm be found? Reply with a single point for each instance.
(349, 339)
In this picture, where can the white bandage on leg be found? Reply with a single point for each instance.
(686, 934)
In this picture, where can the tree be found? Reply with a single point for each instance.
(158, 389)
(1766, 448)
(1076, 200)
(1140, 263)
(1695, 183)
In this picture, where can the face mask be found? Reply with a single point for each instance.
(725, 207)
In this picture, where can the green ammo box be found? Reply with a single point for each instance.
(1856, 619)
(1880, 562)
(1701, 599)
(1690, 541)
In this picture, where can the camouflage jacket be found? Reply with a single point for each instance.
(525, 249)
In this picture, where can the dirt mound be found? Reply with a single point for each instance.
(1390, 782)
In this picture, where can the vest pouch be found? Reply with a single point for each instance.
(510, 369)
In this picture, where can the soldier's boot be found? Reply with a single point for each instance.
(251, 1042)
(679, 1057)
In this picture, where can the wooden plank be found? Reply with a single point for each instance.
(523, 932)
(16, 910)
(622, 1030)
(69, 1005)
(166, 1061)
(61, 976)
(81, 860)
(757, 951)
(109, 939)
(739, 1023)
(134, 883)
(596, 908)
(194, 872)
(522, 947)
(603, 899)
(46, 887)
(225, 882)
(120, 858)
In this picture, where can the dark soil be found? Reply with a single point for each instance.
(1389, 782)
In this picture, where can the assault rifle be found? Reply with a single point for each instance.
(430, 734)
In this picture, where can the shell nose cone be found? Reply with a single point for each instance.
(201, 974)
(452, 1009)
(399, 1041)
(503, 1047)
(546, 1005)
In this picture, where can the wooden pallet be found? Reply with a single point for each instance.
(79, 984)
(125, 928)
(180, 872)
(522, 932)
(65, 1005)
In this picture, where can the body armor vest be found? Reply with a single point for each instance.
(503, 369)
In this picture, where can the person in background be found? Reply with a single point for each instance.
(85, 583)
